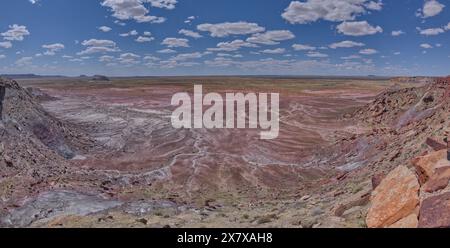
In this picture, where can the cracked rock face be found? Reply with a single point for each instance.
(394, 199)
(435, 212)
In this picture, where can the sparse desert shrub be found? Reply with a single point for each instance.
(159, 213)
(354, 188)
(266, 219)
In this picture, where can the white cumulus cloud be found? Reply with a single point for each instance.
(52, 49)
(316, 55)
(175, 42)
(15, 33)
(274, 51)
(187, 56)
(426, 46)
(190, 33)
(359, 28)
(271, 37)
(431, 31)
(24, 61)
(135, 9)
(129, 59)
(397, 32)
(368, 51)
(346, 44)
(330, 10)
(106, 58)
(6, 44)
(142, 39)
(98, 46)
(231, 46)
(131, 33)
(302, 47)
(431, 8)
(105, 29)
(372, 5)
(166, 51)
(230, 28)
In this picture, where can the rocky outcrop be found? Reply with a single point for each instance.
(23, 115)
(412, 118)
(435, 212)
(416, 80)
(433, 170)
(397, 195)
(394, 199)
(439, 181)
(34, 145)
(427, 165)
(407, 107)
(2, 96)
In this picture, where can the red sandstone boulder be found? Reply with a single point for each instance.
(411, 221)
(426, 165)
(394, 199)
(438, 181)
(435, 212)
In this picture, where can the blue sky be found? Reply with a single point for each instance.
(225, 37)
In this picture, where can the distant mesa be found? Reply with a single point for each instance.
(18, 76)
(28, 76)
(100, 78)
(94, 78)
(34, 76)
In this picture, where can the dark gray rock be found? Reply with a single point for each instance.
(54, 204)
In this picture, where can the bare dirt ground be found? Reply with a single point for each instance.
(139, 171)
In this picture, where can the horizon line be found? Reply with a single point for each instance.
(31, 75)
